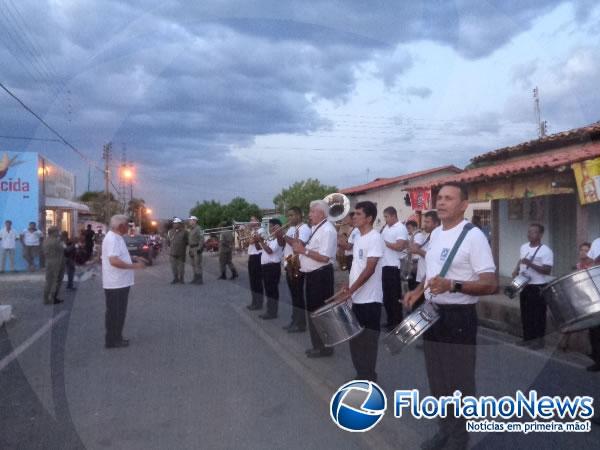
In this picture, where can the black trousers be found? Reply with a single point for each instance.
(256, 281)
(116, 310)
(319, 287)
(392, 293)
(533, 312)
(595, 343)
(296, 286)
(271, 275)
(363, 348)
(450, 356)
(70, 267)
(349, 261)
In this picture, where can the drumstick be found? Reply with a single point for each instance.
(334, 296)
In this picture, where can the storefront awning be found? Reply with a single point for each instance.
(61, 203)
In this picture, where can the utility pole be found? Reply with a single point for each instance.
(106, 157)
(542, 126)
(123, 180)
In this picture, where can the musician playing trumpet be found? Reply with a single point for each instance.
(366, 291)
(270, 260)
(297, 231)
(254, 266)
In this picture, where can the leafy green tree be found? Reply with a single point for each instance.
(300, 194)
(210, 213)
(240, 210)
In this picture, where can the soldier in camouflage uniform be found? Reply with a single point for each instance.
(196, 247)
(178, 241)
(226, 244)
(54, 253)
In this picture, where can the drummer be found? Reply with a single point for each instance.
(449, 345)
(536, 261)
(594, 258)
(365, 289)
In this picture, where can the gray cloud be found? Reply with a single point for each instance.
(183, 82)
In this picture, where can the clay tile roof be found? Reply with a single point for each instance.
(383, 182)
(549, 160)
(562, 139)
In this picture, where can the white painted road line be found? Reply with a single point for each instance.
(30, 340)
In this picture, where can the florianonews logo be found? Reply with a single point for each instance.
(358, 406)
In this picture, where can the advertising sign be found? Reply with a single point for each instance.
(587, 176)
(19, 194)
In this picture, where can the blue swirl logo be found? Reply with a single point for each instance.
(358, 406)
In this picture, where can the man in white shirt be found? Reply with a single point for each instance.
(117, 279)
(594, 256)
(365, 289)
(254, 266)
(395, 237)
(415, 236)
(316, 258)
(8, 243)
(294, 277)
(270, 260)
(450, 352)
(536, 261)
(31, 239)
(430, 222)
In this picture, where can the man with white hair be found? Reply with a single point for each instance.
(316, 258)
(117, 279)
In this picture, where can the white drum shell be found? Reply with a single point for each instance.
(520, 281)
(335, 323)
(574, 300)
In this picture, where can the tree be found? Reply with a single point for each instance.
(300, 194)
(96, 201)
(240, 210)
(211, 213)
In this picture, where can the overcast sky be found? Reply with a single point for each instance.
(242, 98)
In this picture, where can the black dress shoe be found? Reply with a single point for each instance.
(222, 277)
(593, 368)
(71, 288)
(253, 307)
(296, 329)
(234, 276)
(175, 281)
(57, 301)
(120, 344)
(316, 353)
(268, 316)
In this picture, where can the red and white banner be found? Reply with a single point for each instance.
(420, 199)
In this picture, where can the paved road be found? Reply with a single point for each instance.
(203, 372)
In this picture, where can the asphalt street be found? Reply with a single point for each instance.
(204, 372)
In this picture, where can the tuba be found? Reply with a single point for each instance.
(339, 206)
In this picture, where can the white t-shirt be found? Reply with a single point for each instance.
(370, 245)
(392, 235)
(32, 238)
(322, 241)
(274, 257)
(9, 238)
(474, 257)
(303, 235)
(418, 238)
(594, 249)
(113, 244)
(252, 247)
(544, 257)
(353, 235)
(421, 266)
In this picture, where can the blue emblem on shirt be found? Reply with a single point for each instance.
(360, 253)
(444, 254)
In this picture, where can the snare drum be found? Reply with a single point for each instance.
(411, 328)
(335, 323)
(517, 284)
(574, 300)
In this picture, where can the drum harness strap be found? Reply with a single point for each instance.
(468, 227)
